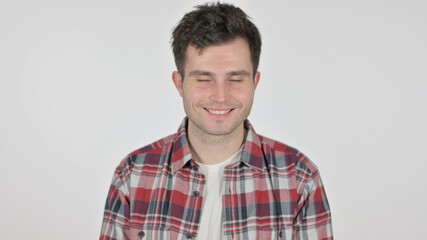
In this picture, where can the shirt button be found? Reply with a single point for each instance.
(280, 234)
(141, 234)
(195, 168)
(189, 235)
(196, 193)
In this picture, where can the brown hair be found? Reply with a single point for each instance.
(212, 24)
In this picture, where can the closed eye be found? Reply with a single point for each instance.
(235, 80)
(203, 80)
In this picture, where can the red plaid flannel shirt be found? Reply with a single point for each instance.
(273, 192)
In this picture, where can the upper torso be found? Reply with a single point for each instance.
(261, 199)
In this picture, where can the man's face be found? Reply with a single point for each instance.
(218, 88)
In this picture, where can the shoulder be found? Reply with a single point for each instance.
(282, 156)
(152, 155)
(154, 147)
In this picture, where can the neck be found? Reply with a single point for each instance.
(212, 149)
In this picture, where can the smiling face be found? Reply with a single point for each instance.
(218, 87)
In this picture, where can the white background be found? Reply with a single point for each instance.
(83, 83)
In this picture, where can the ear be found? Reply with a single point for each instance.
(256, 78)
(177, 80)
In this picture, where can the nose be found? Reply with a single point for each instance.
(219, 92)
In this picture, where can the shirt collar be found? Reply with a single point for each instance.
(181, 152)
(252, 154)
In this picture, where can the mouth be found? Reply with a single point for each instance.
(218, 112)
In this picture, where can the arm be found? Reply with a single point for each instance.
(115, 223)
(313, 220)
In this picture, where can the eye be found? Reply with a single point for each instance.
(203, 80)
(235, 80)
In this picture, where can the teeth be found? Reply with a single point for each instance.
(219, 112)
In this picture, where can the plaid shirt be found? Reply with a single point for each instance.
(273, 192)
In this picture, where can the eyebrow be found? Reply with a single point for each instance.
(238, 73)
(206, 73)
(200, 73)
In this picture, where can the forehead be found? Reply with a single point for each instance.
(233, 55)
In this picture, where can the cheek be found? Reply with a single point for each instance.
(194, 94)
(244, 95)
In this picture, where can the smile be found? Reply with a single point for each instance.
(219, 112)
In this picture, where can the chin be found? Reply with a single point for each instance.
(220, 131)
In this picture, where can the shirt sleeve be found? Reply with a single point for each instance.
(115, 223)
(313, 221)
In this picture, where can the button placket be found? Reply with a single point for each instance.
(195, 168)
(189, 235)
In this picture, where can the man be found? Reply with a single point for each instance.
(216, 178)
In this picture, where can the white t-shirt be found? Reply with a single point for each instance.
(211, 219)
